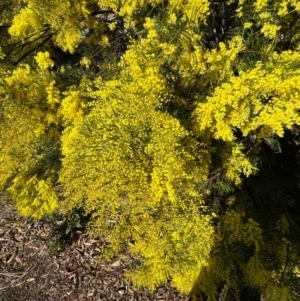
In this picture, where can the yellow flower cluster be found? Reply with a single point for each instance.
(34, 197)
(71, 106)
(180, 245)
(25, 22)
(263, 100)
(264, 96)
(64, 17)
(43, 60)
(23, 128)
(237, 164)
(136, 164)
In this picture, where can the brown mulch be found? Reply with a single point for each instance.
(29, 271)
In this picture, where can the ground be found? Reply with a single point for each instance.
(30, 270)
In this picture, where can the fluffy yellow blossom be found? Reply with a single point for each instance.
(260, 4)
(113, 25)
(168, 49)
(45, 199)
(86, 62)
(270, 30)
(151, 28)
(27, 21)
(43, 60)
(172, 18)
(71, 106)
(104, 41)
(247, 25)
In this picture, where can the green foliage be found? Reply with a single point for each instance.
(66, 229)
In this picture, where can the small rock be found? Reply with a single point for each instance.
(121, 290)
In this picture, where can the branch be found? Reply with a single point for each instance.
(103, 11)
(31, 50)
(32, 41)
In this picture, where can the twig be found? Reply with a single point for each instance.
(13, 256)
(33, 49)
(22, 276)
(11, 274)
(25, 273)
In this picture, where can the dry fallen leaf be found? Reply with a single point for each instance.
(19, 260)
(31, 246)
(30, 279)
(116, 264)
(12, 256)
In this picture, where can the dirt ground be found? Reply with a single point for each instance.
(31, 271)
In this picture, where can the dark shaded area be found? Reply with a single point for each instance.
(221, 22)
(68, 230)
(265, 198)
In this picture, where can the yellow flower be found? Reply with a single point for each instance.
(247, 25)
(86, 62)
(172, 18)
(168, 49)
(260, 4)
(113, 25)
(104, 41)
(43, 60)
(270, 30)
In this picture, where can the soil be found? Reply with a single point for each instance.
(31, 271)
